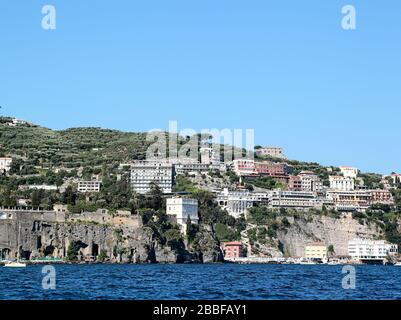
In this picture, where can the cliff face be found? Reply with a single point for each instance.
(35, 238)
(331, 231)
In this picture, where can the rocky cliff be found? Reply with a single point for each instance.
(330, 231)
(35, 238)
(336, 232)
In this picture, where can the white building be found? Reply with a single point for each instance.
(39, 187)
(363, 249)
(342, 183)
(89, 186)
(5, 164)
(349, 172)
(310, 181)
(275, 152)
(144, 173)
(192, 168)
(294, 199)
(181, 209)
(209, 156)
(238, 202)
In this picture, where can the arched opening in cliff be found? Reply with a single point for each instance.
(49, 250)
(5, 253)
(95, 250)
(26, 255)
(39, 242)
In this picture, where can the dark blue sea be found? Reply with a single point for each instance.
(214, 282)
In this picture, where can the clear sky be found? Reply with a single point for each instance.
(284, 68)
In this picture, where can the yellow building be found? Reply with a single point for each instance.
(316, 251)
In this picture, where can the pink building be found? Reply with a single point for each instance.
(233, 250)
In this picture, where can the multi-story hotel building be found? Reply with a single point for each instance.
(89, 186)
(382, 197)
(237, 202)
(275, 152)
(342, 183)
(349, 172)
(182, 209)
(294, 183)
(244, 167)
(310, 181)
(350, 200)
(316, 251)
(144, 173)
(267, 168)
(294, 199)
(362, 249)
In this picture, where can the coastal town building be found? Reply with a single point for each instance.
(349, 172)
(244, 167)
(209, 156)
(382, 197)
(5, 164)
(144, 173)
(236, 202)
(294, 183)
(182, 209)
(294, 199)
(233, 250)
(267, 168)
(370, 250)
(89, 186)
(249, 167)
(191, 168)
(275, 152)
(350, 200)
(310, 181)
(316, 251)
(342, 183)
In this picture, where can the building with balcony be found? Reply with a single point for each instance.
(350, 200)
(342, 183)
(144, 173)
(89, 186)
(294, 199)
(182, 209)
(371, 250)
(316, 251)
(238, 202)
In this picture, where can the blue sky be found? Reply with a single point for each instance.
(284, 68)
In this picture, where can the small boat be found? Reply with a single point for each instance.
(14, 264)
(398, 264)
